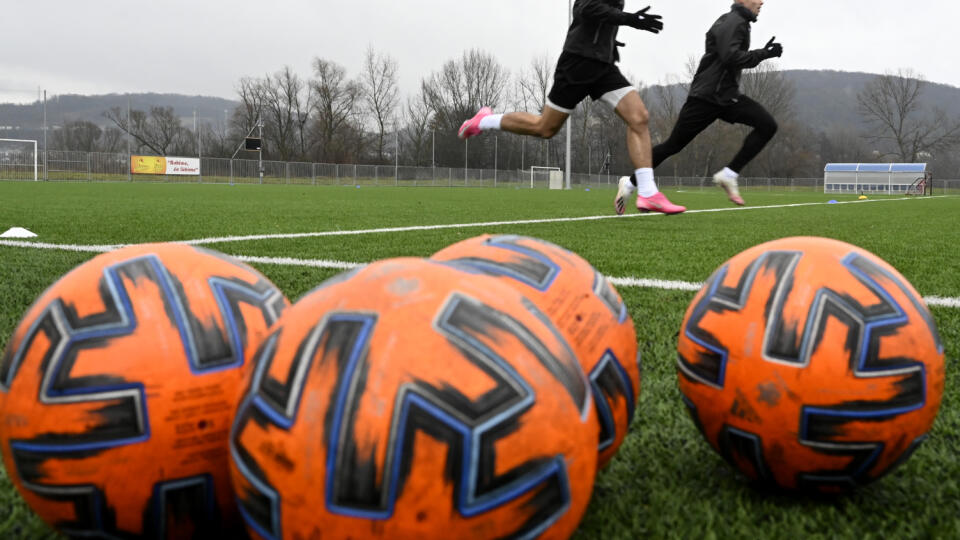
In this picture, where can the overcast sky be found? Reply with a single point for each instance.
(203, 47)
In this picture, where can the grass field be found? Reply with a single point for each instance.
(666, 482)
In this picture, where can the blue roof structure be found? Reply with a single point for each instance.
(876, 167)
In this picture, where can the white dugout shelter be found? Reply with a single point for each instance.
(880, 178)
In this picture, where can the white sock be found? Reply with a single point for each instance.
(646, 187)
(490, 122)
(728, 172)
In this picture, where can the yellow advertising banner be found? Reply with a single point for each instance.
(148, 165)
(176, 166)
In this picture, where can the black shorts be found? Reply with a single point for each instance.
(577, 77)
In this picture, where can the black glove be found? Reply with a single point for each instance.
(773, 49)
(642, 21)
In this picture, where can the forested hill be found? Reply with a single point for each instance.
(71, 107)
(827, 99)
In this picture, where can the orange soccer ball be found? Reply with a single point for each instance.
(409, 399)
(810, 364)
(583, 305)
(118, 387)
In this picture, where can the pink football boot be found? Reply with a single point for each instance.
(472, 126)
(658, 203)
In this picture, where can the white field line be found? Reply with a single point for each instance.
(654, 284)
(225, 239)
(289, 261)
(942, 302)
(61, 247)
(626, 282)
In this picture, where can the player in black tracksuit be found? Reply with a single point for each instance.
(715, 93)
(587, 67)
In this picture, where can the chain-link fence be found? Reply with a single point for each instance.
(72, 166)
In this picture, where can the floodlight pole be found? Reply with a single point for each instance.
(569, 130)
(242, 141)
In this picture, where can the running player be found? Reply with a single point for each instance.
(587, 67)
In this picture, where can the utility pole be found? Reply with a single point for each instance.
(569, 22)
(45, 176)
(260, 150)
(496, 147)
(258, 125)
(197, 131)
(396, 153)
(200, 154)
(129, 136)
(523, 150)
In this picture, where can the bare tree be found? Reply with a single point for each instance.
(281, 93)
(789, 151)
(455, 93)
(463, 86)
(533, 84)
(339, 134)
(127, 121)
(216, 140)
(158, 131)
(79, 135)
(303, 109)
(891, 105)
(245, 116)
(380, 92)
(417, 133)
(112, 140)
(767, 85)
(163, 128)
(841, 145)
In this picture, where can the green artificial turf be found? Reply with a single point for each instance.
(666, 482)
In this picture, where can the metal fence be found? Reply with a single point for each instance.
(72, 166)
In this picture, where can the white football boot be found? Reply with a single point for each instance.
(624, 191)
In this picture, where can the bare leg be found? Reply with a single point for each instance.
(544, 125)
(635, 114)
(649, 199)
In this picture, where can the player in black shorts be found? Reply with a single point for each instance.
(715, 93)
(587, 67)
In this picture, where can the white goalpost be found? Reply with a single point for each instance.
(552, 176)
(15, 158)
